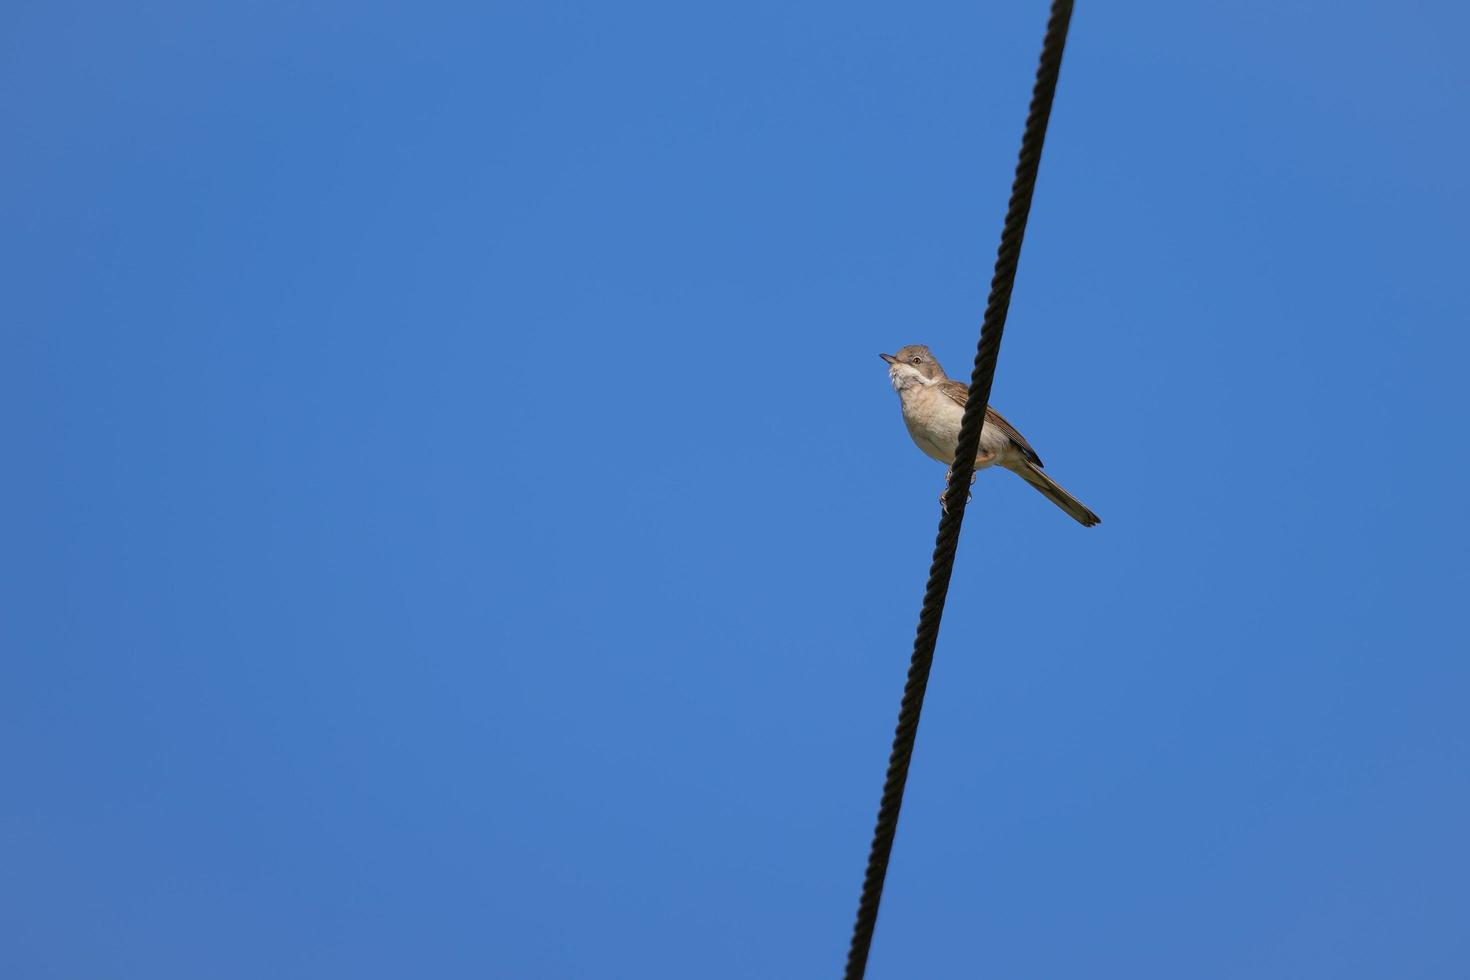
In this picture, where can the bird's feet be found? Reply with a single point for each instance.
(947, 475)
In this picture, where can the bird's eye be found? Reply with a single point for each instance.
(917, 359)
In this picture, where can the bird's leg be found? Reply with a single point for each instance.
(949, 473)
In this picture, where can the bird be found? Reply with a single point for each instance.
(933, 404)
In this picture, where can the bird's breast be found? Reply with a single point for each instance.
(933, 421)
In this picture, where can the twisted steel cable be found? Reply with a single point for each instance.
(957, 493)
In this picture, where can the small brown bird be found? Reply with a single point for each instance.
(933, 405)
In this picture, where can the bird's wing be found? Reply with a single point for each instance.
(959, 393)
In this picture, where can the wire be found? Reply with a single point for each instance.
(957, 493)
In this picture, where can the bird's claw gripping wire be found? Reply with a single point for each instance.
(968, 497)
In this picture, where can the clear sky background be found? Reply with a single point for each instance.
(456, 523)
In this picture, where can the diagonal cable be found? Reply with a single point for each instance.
(957, 493)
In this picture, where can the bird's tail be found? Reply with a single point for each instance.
(1052, 491)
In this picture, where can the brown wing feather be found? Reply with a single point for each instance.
(959, 392)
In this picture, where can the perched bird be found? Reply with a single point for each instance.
(933, 405)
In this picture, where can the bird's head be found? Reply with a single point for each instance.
(913, 365)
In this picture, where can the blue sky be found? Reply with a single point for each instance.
(457, 524)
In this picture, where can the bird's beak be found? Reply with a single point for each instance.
(889, 358)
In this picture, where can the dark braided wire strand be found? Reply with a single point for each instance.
(957, 493)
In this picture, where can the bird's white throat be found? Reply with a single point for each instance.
(904, 376)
